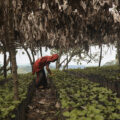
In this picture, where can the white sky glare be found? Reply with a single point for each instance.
(109, 54)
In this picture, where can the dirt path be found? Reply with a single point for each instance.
(44, 105)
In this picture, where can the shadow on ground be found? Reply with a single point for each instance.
(44, 105)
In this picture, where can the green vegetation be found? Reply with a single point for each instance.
(84, 100)
(80, 98)
(7, 103)
(3, 79)
(111, 73)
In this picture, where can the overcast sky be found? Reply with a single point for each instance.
(109, 54)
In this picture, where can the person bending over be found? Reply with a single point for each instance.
(38, 68)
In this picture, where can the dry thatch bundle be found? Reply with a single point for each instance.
(66, 23)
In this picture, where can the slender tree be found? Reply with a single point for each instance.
(12, 48)
(41, 51)
(5, 65)
(118, 51)
(100, 58)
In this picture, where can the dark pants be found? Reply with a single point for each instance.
(41, 79)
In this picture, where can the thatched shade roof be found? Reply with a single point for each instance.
(62, 23)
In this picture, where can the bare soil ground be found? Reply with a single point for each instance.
(44, 105)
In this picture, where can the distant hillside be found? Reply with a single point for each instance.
(76, 66)
(24, 69)
(27, 68)
(113, 62)
(71, 66)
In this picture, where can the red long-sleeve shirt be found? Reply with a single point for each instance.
(43, 61)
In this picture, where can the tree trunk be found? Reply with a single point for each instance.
(10, 63)
(2, 68)
(118, 51)
(5, 65)
(4, 42)
(69, 59)
(100, 59)
(31, 62)
(12, 49)
(58, 65)
(41, 51)
(68, 62)
(33, 56)
(14, 71)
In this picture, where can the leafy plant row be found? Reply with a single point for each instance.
(7, 103)
(3, 80)
(107, 76)
(84, 100)
(111, 73)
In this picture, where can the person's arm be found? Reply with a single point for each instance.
(48, 69)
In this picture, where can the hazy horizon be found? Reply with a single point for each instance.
(108, 53)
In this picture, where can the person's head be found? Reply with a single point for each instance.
(54, 57)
